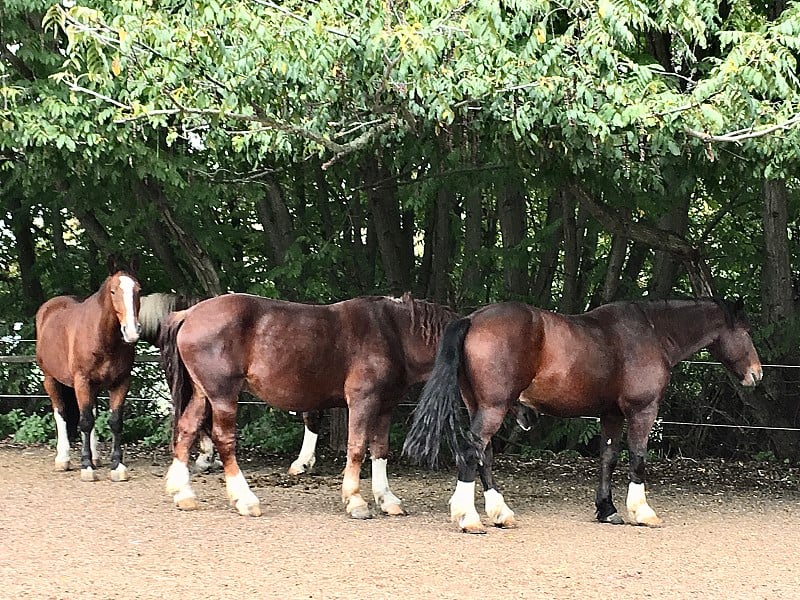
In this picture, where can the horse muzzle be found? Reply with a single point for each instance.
(131, 337)
(753, 375)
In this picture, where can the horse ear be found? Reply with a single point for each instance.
(113, 264)
(738, 306)
(133, 265)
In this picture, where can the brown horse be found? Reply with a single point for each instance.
(613, 362)
(362, 353)
(84, 347)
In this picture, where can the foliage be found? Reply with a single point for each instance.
(272, 431)
(255, 146)
(36, 429)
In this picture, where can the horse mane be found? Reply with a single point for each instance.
(155, 307)
(428, 317)
(729, 312)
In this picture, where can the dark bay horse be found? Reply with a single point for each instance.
(613, 362)
(84, 347)
(362, 353)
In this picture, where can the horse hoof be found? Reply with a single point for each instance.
(189, 503)
(393, 510)
(119, 475)
(63, 465)
(296, 470)
(361, 513)
(89, 475)
(248, 510)
(474, 529)
(614, 519)
(653, 521)
(507, 523)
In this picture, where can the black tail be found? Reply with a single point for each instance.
(437, 414)
(177, 376)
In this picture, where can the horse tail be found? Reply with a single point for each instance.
(437, 416)
(177, 376)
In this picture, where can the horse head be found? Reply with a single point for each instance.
(734, 347)
(124, 290)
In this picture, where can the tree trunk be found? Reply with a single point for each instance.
(197, 258)
(274, 217)
(442, 245)
(393, 230)
(473, 289)
(775, 401)
(22, 227)
(338, 422)
(541, 289)
(572, 239)
(512, 215)
(665, 266)
(616, 260)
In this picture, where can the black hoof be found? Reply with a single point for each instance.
(613, 519)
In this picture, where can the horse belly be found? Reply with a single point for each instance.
(295, 389)
(565, 397)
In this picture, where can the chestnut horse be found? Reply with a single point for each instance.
(613, 362)
(362, 353)
(84, 347)
(154, 308)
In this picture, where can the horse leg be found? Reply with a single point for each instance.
(639, 425)
(85, 396)
(205, 457)
(307, 457)
(611, 432)
(53, 389)
(484, 424)
(358, 421)
(379, 452)
(116, 406)
(223, 432)
(178, 478)
(93, 443)
(496, 508)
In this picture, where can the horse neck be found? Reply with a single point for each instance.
(685, 326)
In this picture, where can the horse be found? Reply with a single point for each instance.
(84, 347)
(154, 308)
(362, 353)
(613, 362)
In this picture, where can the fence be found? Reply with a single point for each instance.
(152, 358)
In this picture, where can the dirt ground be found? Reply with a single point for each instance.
(731, 531)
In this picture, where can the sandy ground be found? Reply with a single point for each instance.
(731, 531)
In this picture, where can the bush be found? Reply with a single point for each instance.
(36, 429)
(10, 422)
(272, 431)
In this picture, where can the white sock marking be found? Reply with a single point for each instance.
(636, 503)
(380, 484)
(307, 457)
(462, 505)
(239, 491)
(496, 507)
(62, 440)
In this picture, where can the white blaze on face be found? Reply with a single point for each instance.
(126, 284)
